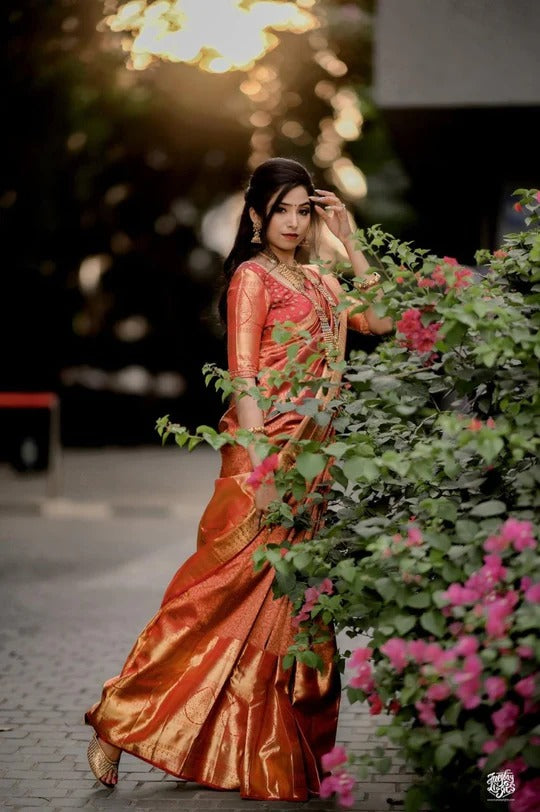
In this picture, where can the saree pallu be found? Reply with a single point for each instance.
(203, 694)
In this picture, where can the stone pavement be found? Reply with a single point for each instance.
(80, 575)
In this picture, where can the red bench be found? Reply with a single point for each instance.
(42, 400)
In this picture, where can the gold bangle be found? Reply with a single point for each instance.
(258, 429)
(368, 281)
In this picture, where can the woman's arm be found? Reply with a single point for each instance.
(247, 308)
(377, 324)
(335, 216)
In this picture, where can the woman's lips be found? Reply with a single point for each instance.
(291, 236)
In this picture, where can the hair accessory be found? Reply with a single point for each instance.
(256, 234)
(258, 429)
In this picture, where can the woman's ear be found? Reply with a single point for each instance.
(255, 219)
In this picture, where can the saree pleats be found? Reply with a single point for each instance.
(203, 694)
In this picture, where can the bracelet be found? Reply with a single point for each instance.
(368, 281)
(258, 429)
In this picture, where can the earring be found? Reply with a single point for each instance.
(256, 234)
(305, 242)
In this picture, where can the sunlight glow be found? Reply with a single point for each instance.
(216, 35)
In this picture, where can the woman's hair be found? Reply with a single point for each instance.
(275, 175)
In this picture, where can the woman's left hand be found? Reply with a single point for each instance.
(333, 212)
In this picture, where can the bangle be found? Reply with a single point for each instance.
(368, 281)
(257, 429)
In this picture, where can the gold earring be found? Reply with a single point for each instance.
(256, 234)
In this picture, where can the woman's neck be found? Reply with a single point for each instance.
(287, 257)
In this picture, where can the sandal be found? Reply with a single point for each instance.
(100, 764)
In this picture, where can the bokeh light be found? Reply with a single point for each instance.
(216, 35)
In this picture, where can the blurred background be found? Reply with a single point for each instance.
(130, 129)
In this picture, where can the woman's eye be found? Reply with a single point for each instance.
(305, 212)
(280, 210)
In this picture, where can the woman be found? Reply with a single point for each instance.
(203, 694)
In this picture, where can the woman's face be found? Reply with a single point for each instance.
(290, 222)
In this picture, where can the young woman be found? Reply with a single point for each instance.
(203, 694)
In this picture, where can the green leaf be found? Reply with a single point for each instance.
(361, 468)
(404, 623)
(433, 622)
(288, 661)
(531, 754)
(415, 798)
(444, 754)
(419, 601)
(310, 465)
(386, 588)
(302, 560)
(493, 507)
(337, 449)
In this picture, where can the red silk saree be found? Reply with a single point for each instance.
(203, 694)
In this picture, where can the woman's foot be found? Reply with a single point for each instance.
(103, 759)
(112, 753)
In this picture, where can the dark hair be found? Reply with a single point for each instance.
(275, 175)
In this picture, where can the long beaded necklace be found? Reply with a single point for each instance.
(296, 277)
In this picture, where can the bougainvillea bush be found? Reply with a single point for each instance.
(430, 543)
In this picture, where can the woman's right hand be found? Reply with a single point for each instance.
(265, 495)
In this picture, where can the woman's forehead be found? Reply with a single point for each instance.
(294, 197)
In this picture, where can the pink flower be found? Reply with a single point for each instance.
(466, 645)
(497, 612)
(475, 424)
(527, 797)
(488, 576)
(438, 692)
(438, 276)
(533, 593)
(490, 423)
(396, 651)
(262, 473)
(500, 253)
(505, 718)
(517, 207)
(414, 537)
(342, 784)
(490, 746)
(456, 627)
(394, 706)
(426, 713)
(462, 278)
(426, 282)
(376, 704)
(418, 337)
(525, 652)
(335, 757)
(363, 679)
(468, 680)
(495, 688)
(519, 533)
(458, 595)
(400, 280)
(416, 649)
(537, 197)
(525, 687)
(311, 596)
(450, 261)
(359, 656)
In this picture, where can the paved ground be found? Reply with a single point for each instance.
(79, 577)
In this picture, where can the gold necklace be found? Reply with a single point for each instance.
(296, 277)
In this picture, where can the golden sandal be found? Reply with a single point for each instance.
(99, 762)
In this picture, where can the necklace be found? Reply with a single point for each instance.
(296, 277)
